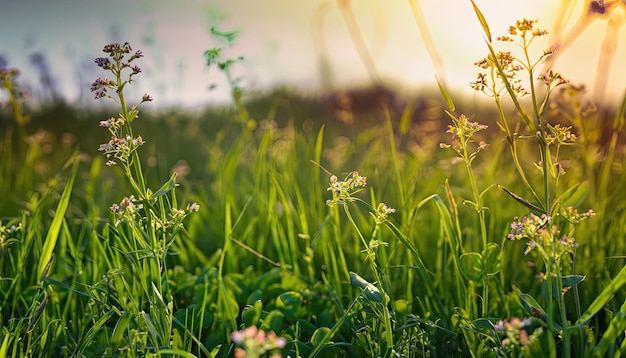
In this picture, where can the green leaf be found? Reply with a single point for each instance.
(483, 323)
(290, 303)
(371, 291)
(167, 187)
(120, 327)
(482, 20)
(4, 349)
(255, 296)
(55, 227)
(531, 305)
(318, 337)
(575, 194)
(604, 297)
(251, 314)
(534, 207)
(273, 321)
(534, 309)
(446, 96)
(471, 266)
(572, 280)
(151, 327)
(616, 328)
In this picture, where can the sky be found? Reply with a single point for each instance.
(282, 42)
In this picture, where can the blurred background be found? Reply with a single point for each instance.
(305, 44)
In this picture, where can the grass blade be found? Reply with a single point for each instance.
(483, 21)
(604, 297)
(57, 221)
(616, 328)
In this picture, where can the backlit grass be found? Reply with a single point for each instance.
(276, 227)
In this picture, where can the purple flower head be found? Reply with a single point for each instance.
(103, 62)
(100, 83)
(138, 54)
(111, 48)
(146, 98)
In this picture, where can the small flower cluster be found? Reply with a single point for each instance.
(510, 65)
(572, 215)
(382, 211)
(552, 77)
(516, 333)
(255, 342)
(345, 189)
(9, 234)
(120, 148)
(126, 209)
(116, 64)
(521, 28)
(462, 131)
(129, 208)
(560, 135)
(122, 143)
(542, 235)
(176, 217)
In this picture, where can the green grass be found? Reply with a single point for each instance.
(331, 272)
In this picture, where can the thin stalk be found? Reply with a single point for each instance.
(371, 257)
(564, 322)
(549, 304)
(514, 152)
(481, 218)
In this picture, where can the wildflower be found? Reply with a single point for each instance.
(543, 235)
(528, 226)
(138, 54)
(255, 342)
(462, 131)
(99, 86)
(518, 334)
(103, 62)
(193, 207)
(116, 209)
(343, 190)
(138, 141)
(572, 215)
(146, 98)
(177, 214)
(382, 211)
(552, 77)
(559, 135)
(7, 234)
(480, 83)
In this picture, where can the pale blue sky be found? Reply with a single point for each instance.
(275, 40)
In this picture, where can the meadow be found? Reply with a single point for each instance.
(315, 226)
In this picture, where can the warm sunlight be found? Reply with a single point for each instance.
(404, 43)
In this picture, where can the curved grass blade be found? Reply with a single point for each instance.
(482, 20)
(616, 328)
(57, 220)
(446, 96)
(603, 298)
